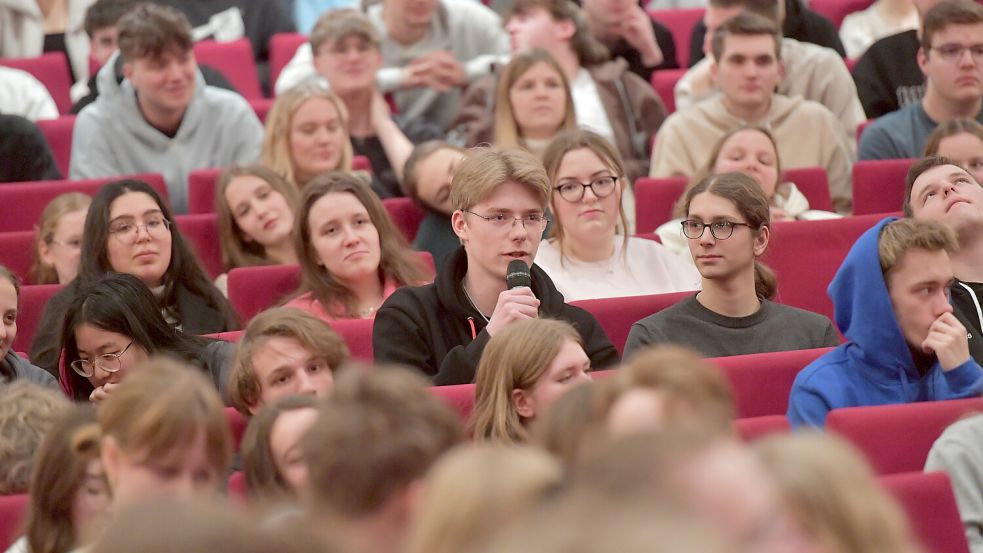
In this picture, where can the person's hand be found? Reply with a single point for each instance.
(446, 72)
(379, 110)
(636, 29)
(513, 305)
(948, 341)
(417, 73)
(102, 392)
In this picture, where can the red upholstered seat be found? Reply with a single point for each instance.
(357, 334)
(283, 46)
(253, 289)
(655, 200)
(814, 185)
(836, 10)
(12, 510)
(201, 190)
(931, 507)
(616, 315)
(33, 298)
(664, 82)
(235, 61)
(761, 382)
(21, 203)
(878, 185)
(460, 397)
(897, 438)
(406, 214)
(758, 427)
(680, 23)
(262, 107)
(58, 134)
(201, 232)
(52, 70)
(17, 251)
(237, 423)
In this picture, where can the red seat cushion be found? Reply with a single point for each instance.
(237, 423)
(664, 82)
(201, 232)
(12, 511)
(616, 315)
(32, 301)
(58, 134)
(928, 501)
(460, 397)
(283, 46)
(52, 70)
(253, 289)
(655, 200)
(406, 214)
(758, 427)
(878, 185)
(680, 23)
(201, 190)
(235, 61)
(761, 382)
(17, 251)
(814, 185)
(357, 334)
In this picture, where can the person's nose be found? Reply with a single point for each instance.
(707, 238)
(518, 230)
(305, 384)
(942, 304)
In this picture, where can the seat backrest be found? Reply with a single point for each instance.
(814, 185)
(237, 423)
(201, 190)
(664, 82)
(459, 397)
(58, 134)
(655, 200)
(680, 23)
(761, 382)
(283, 46)
(836, 10)
(406, 214)
(616, 315)
(17, 251)
(931, 509)
(758, 427)
(235, 61)
(878, 185)
(201, 231)
(33, 298)
(897, 438)
(21, 203)
(12, 511)
(357, 334)
(262, 107)
(52, 70)
(803, 278)
(253, 289)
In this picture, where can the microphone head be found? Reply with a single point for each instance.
(518, 274)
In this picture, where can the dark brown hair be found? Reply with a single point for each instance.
(589, 51)
(151, 30)
(746, 23)
(263, 478)
(951, 12)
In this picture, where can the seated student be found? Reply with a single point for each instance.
(21, 93)
(892, 303)
(957, 453)
(585, 257)
(728, 228)
(834, 496)
(427, 181)
(112, 325)
(99, 25)
(347, 54)
(352, 256)
(284, 352)
(749, 149)
(24, 151)
(499, 196)
(58, 246)
(960, 140)
(28, 412)
(165, 436)
(69, 493)
(367, 455)
(608, 98)
(307, 134)
(532, 105)
(810, 71)
(953, 83)
(13, 366)
(255, 209)
(627, 30)
(883, 18)
(158, 121)
(741, 41)
(31, 29)
(273, 460)
(459, 512)
(522, 370)
(129, 229)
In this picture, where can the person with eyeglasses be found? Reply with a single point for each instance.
(585, 256)
(58, 246)
(951, 58)
(728, 227)
(499, 198)
(113, 325)
(129, 229)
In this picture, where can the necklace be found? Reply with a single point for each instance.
(364, 313)
(471, 301)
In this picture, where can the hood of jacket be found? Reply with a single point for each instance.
(715, 114)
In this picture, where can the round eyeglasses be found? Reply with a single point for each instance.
(573, 191)
(721, 230)
(127, 232)
(108, 362)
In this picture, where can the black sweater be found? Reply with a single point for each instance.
(887, 75)
(429, 327)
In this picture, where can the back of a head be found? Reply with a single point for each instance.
(152, 30)
(379, 432)
(574, 425)
(485, 169)
(27, 413)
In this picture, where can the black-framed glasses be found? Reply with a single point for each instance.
(126, 232)
(721, 230)
(108, 362)
(573, 191)
(536, 221)
(954, 51)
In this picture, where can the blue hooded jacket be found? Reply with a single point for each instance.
(875, 366)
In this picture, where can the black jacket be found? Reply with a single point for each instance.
(887, 75)
(24, 152)
(663, 37)
(429, 327)
(966, 308)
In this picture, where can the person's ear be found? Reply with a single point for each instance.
(460, 226)
(45, 254)
(523, 404)
(128, 70)
(761, 240)
(922, 58)
(566, 29)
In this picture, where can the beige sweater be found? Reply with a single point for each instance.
(808, 135)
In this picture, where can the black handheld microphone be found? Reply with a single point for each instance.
(517, 275)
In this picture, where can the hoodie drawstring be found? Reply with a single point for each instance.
(976, 302)
(474, 333)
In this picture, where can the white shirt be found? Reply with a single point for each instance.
(22, 94)
(588, 107)
(648, 268)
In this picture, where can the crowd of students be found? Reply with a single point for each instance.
(520, 130)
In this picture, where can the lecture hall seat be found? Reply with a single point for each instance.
(755, 428)
(201, 232)
(761, 382)
(33, 298)
(664, 82)
(931, 509)
(58, 134)
(878, 185)
(357, 334)
(283, 46)
(17, 252)
(680, 23)
(54, 73)
(616, 315)
(235, 61)
(12, 511)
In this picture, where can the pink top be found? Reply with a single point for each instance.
(314, 307)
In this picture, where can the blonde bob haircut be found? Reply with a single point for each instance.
(485, 168)
(276, 142)
(160, 407)
(245, 389)
(42, 273)
(514, 359)
(508, 131)
(459, 511)
(237, 250)
(833, 493)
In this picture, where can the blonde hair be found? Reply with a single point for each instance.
(514, 359)
(40, 272)
(900, 236)
(27, 413)
(276, 152)
(507, 131)
(460, 511)
(484, 169)
(162, 405)
(337, 24)
(832, 490)
(236, 250)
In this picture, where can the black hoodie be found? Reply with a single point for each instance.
(436, 329)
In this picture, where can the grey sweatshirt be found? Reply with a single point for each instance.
(23, 369)
(112, 138)
(959, 452)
